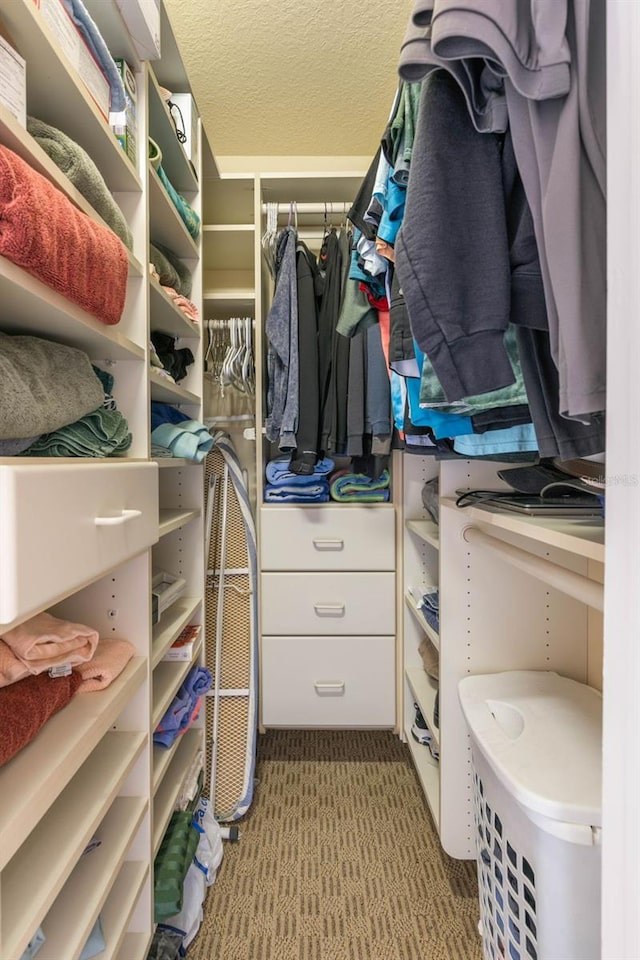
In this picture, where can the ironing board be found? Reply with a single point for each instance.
(231, 634)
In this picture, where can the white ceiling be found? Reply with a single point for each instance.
(291, 77)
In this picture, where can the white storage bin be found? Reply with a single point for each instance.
(536, 743)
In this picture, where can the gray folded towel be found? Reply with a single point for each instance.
(43, 386)
(78, 166)
(164, 268)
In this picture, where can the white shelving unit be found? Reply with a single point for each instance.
(90, 772)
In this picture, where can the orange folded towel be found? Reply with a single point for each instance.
(11, 669)
(43, 232)
(45, 641)
(26, 706)
(108, 662)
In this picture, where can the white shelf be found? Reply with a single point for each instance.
(71, 109)
(32, 780)
(170, 520)
(175, 162)
(428, 771)
(166, 226)
(424, 692)
(120, 904)
(69, 922)
(426, 530)
(167, 679)
(420, 620)
(582, 537)
(174, 462)
(28, 306)
(171, 785)
(135, 946)
(61, 836)
(228, 246)
(165, 391)
(173, 622)
(168, 318)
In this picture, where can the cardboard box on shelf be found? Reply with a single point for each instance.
(182, 648)
(13, 79)
(124, 123)
(77, 52)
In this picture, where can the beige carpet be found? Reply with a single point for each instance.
(338, 860)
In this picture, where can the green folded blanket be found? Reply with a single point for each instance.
(78, 166)
(358, 487)
(171, 864)
(43, 386)
(102, 433)
(188, 215)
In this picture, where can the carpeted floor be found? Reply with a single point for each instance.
(338, 860)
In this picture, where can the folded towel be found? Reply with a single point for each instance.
(189, 440)
(359, 488)
(107, 663)
(187, 306)
(45, 641)
(11, 669)
(158, 452)
(188, 215)
(26, 706)
(43, 386)
(174, 720)
(197, 682)
(277, 471)
(165, 413)
(103, 433)
(167, 274)
(11, 448)
(184, 284)
(297, 493)
(94, 40)
(45, 234)
(78, 166)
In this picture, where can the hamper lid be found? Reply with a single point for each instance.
(542, 735)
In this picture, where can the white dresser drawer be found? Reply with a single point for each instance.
(328, 538)
(63, 525)
(328, 681)
(326, 603)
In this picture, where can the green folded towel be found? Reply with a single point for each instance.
(78, 166)
(358, 487)
(102, 433)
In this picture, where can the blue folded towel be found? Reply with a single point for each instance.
(93, 38)
(176, 717)
(297, 493)
(197, 683)
(277, 471)
(165, 413)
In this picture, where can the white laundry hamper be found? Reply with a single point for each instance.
(536, 743)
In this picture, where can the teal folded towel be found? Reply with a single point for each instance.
(189, 440)
(359, 488)
(103, 433)
(188, 215)
(80, 169)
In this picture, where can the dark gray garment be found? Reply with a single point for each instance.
(282, 360)
(500, 418)
(357, 394)
(522, 39)
(482, 88)
(304, 457)
(378, 405)
(401, 347)
(560, 148)
(452, 254)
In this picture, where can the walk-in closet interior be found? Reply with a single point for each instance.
(318, 568)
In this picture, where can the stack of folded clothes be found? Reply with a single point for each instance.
(347, 487)
(283, 486)
(173, 434)
(184, 708)
(430, 607)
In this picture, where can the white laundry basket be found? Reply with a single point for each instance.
(536, 744)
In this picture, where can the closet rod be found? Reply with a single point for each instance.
(329, 207)
(573, 584)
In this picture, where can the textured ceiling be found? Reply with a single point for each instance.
(291, 77)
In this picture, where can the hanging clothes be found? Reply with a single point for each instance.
(282, 359)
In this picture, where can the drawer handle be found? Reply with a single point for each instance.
(333, 544)
(329, 688)
(329, 609)
(125, 516)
